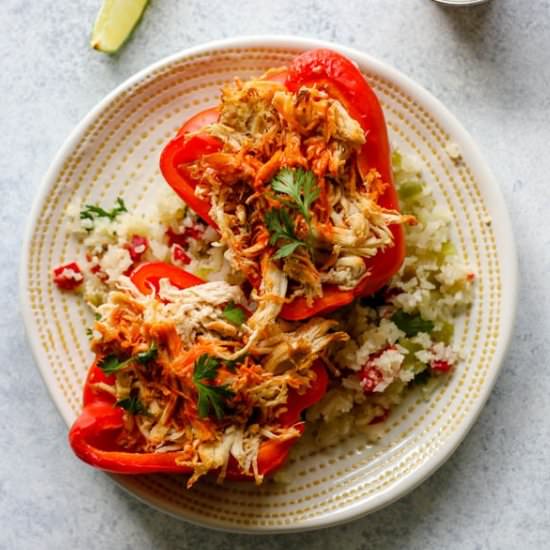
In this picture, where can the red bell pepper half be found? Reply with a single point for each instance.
(342, 80)
(93, 436)
(183, 149)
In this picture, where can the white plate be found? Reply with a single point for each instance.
(114, 151)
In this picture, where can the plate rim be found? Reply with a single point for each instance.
(491, 189)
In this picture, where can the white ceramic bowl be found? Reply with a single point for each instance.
(114, 151)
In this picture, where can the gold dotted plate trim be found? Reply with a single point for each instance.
(115, 153)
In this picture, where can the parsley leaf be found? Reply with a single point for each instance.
(411, 325)
(287, 250)
(422, 377)
(111, 364)
(89, 333)
(132, 405)
(210, 398)
(280, 226)
(234, 314)
(205, 367)
(93, 211)
(300, 185)
(149, 355)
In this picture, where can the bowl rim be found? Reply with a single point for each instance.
(490, 188)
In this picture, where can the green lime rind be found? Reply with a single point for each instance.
(115, 22)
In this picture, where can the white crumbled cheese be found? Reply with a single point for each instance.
(411, 164)
(389, 365)
(438, 352)
(376, 338)
(422, 338)
(451, 274)
(69, 273)
(115, 262)
(87, 224)
(159, 250)
(406, 375)
(170, 209)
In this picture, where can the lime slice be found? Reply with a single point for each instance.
(114, 24)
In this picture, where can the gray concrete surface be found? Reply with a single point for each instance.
(489, 64)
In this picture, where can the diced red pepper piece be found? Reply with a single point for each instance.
(382, 418)
(179, 255)
(182, 239)
(137, 247)
(68, 276)
(441, 365)
(369, 377)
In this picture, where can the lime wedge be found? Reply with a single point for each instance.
(114, 24)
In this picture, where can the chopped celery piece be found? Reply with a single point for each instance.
(396, 160)
(447, 249)
(411, 362)
(444, 334)
(203, 272)
(410, 189)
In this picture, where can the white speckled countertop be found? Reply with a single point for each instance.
(489, 64)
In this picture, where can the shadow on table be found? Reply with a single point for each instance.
(488, 63)
(470, 23)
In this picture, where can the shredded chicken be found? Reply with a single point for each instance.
(247, 370)
(264, 128)
(259, 361)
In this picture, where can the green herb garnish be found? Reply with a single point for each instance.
(211, 398)
(89, 333)
(300, 186)
(422, 377)
(93, 211)
(411, 325)
(281, 227)
(133, 405)
(234, 314)
(149, 355)
(111, 363)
